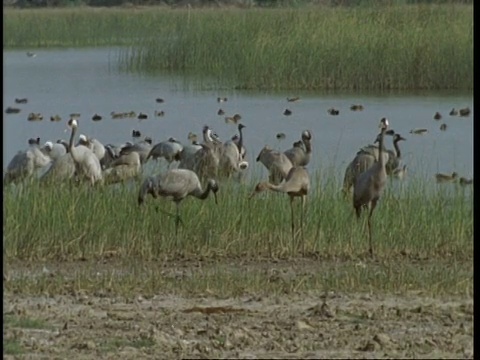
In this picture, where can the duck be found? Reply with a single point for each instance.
(443, 127)
(12, 110)
(293, 99)
(356, 107)
(333, 111)
(136, 133)
(280, 136)
(437, 116)
(35, 117)
(233, 119)
(130, 114)
(464, 181)
(116, 115)
(159, 100)
(418, 131)
(464, 112)
(220, 112)
(287, 112)
(159, 113)
(21, 101)
(221, 99)
(56, 118)
(96, 117)
(444, 178)
(453, 112)
(142, 116)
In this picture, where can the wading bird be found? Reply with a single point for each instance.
(276, 162)
(86, 161)
(369, 185)
(301, 155)
(296, 184)
(177, 184)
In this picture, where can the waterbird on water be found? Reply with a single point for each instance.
(21, 101)
(12, 110)
(443, 127)
(437, 116)
(464, 112)
(333, 111)
(356, 107)
(444, 178)
(293, 99)
(220, 112)
(418, 131)
(453, 112)
(287, 112)
(463, 181)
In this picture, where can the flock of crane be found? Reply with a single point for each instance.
(201, 165)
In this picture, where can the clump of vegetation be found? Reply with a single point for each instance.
(75, 222)
(385, 47)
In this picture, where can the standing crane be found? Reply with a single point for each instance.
(296, 184)
(177, 184)
(369, 185)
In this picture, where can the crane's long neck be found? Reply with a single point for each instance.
(240, 140)
(397, 148)
(380, 148)
(70, 144)
(202, 195)
(308, 145)
(284, 187)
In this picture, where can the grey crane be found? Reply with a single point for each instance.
(296, 184)
(86, 161)
(169, 150)
(207, 160)
(142, 147)
(301, 155)
(62, 168)
(367, 156)
(123, 168)
(25, 162)
(93, 144)
(276, 162)
(187, 155)
(231, 159)
(369, 185)
(54, 150)
(238, 140)
(177, 184)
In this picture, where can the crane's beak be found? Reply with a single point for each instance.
(215, 197)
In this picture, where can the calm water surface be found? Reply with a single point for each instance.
(87, 81)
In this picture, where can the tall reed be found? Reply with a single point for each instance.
(385, 47)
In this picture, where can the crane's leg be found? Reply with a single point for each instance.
(301, 225)
(372, 207)
(177, 218)
(293, 223)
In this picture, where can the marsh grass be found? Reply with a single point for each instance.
(382, 47)
(63, 222)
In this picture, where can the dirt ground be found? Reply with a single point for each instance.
(300, 325)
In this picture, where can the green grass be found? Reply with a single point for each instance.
(357, 48)
(69, 223)
(12, 347)
(422, 235)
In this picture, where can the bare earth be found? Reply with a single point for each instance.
(300, 325)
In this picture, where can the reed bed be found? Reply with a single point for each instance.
(386, 47)
(65, 222)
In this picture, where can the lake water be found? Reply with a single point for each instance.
(87, 81)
